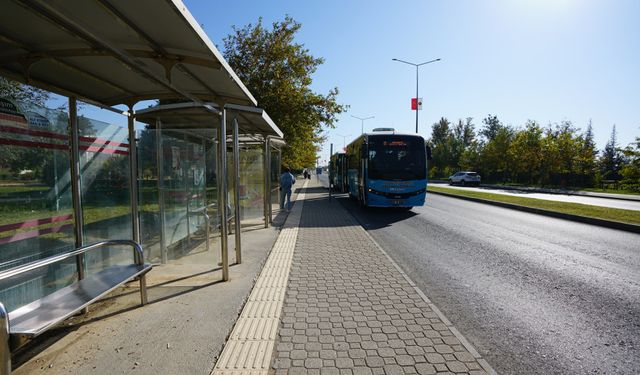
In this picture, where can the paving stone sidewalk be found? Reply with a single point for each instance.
(349, 311)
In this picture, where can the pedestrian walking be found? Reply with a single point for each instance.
(305, 173)
(286, 182)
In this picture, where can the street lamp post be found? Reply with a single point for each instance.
(344, 137)
(362, 122)
(417, 66)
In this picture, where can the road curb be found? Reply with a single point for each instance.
(582, 219)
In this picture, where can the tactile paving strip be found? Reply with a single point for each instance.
(250, 345)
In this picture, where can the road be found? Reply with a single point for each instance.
(535, 295)
(594, 201)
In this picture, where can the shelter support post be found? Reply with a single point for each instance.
(160, 164)
(133, 179)
(236, 190)
(76, 187)
(331, 169)
(207, 223)
(5, 348)
(267, 190)
(223, 193)
(270, 204)
(279, 171)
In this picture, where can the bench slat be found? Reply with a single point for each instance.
(38, 316)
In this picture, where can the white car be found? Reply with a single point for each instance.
(465, 178)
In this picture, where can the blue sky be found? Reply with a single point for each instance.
(546, 60)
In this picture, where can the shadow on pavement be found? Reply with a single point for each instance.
(368, 217)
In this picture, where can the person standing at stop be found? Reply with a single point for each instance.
(286, 182)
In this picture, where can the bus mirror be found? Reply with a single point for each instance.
(363, 153)
(429, 157)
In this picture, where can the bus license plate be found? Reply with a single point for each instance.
(397, 202)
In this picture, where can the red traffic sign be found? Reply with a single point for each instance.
(416, 103)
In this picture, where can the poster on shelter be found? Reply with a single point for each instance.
(37, 120)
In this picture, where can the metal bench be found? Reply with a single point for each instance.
(29, 321)
(207, 220)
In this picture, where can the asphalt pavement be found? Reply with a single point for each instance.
(533, 294)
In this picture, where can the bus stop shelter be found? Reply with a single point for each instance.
(119, 52)
(199, 123)
(118, 55)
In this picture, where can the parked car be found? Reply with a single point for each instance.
(465, 178)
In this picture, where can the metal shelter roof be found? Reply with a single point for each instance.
(251, 120)
(111, 52)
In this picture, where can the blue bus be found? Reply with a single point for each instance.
(388, 169)
(338, 171)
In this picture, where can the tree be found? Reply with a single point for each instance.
(15, 159)
(497, 164)
(568, 146)
(586, 162)
(611, 159)
(491, 127)
(471, 158)
(277, 70)
(441, 148)
(24, 93)
(631, 170)
(526, 153)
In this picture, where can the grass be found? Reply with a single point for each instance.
(611, 191)
(4, 190)
(605, 213)
(568, 188)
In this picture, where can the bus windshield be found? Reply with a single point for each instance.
(397, 157)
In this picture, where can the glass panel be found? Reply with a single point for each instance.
(183, 190)
(105, 183)
(251, 184)
(188, 184)
(275, 177)
(36, 216)
(148, 205)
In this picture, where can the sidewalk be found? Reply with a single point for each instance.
(348, 309)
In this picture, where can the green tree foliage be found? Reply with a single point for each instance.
(611, 159)
(14, 159)
(277, 70)
(561, 151)
(631, 170)
(556, 155)
(587, 156)
(491, 127)
(24, 93)
(526, 153)
(497, 165)
(440, 143)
